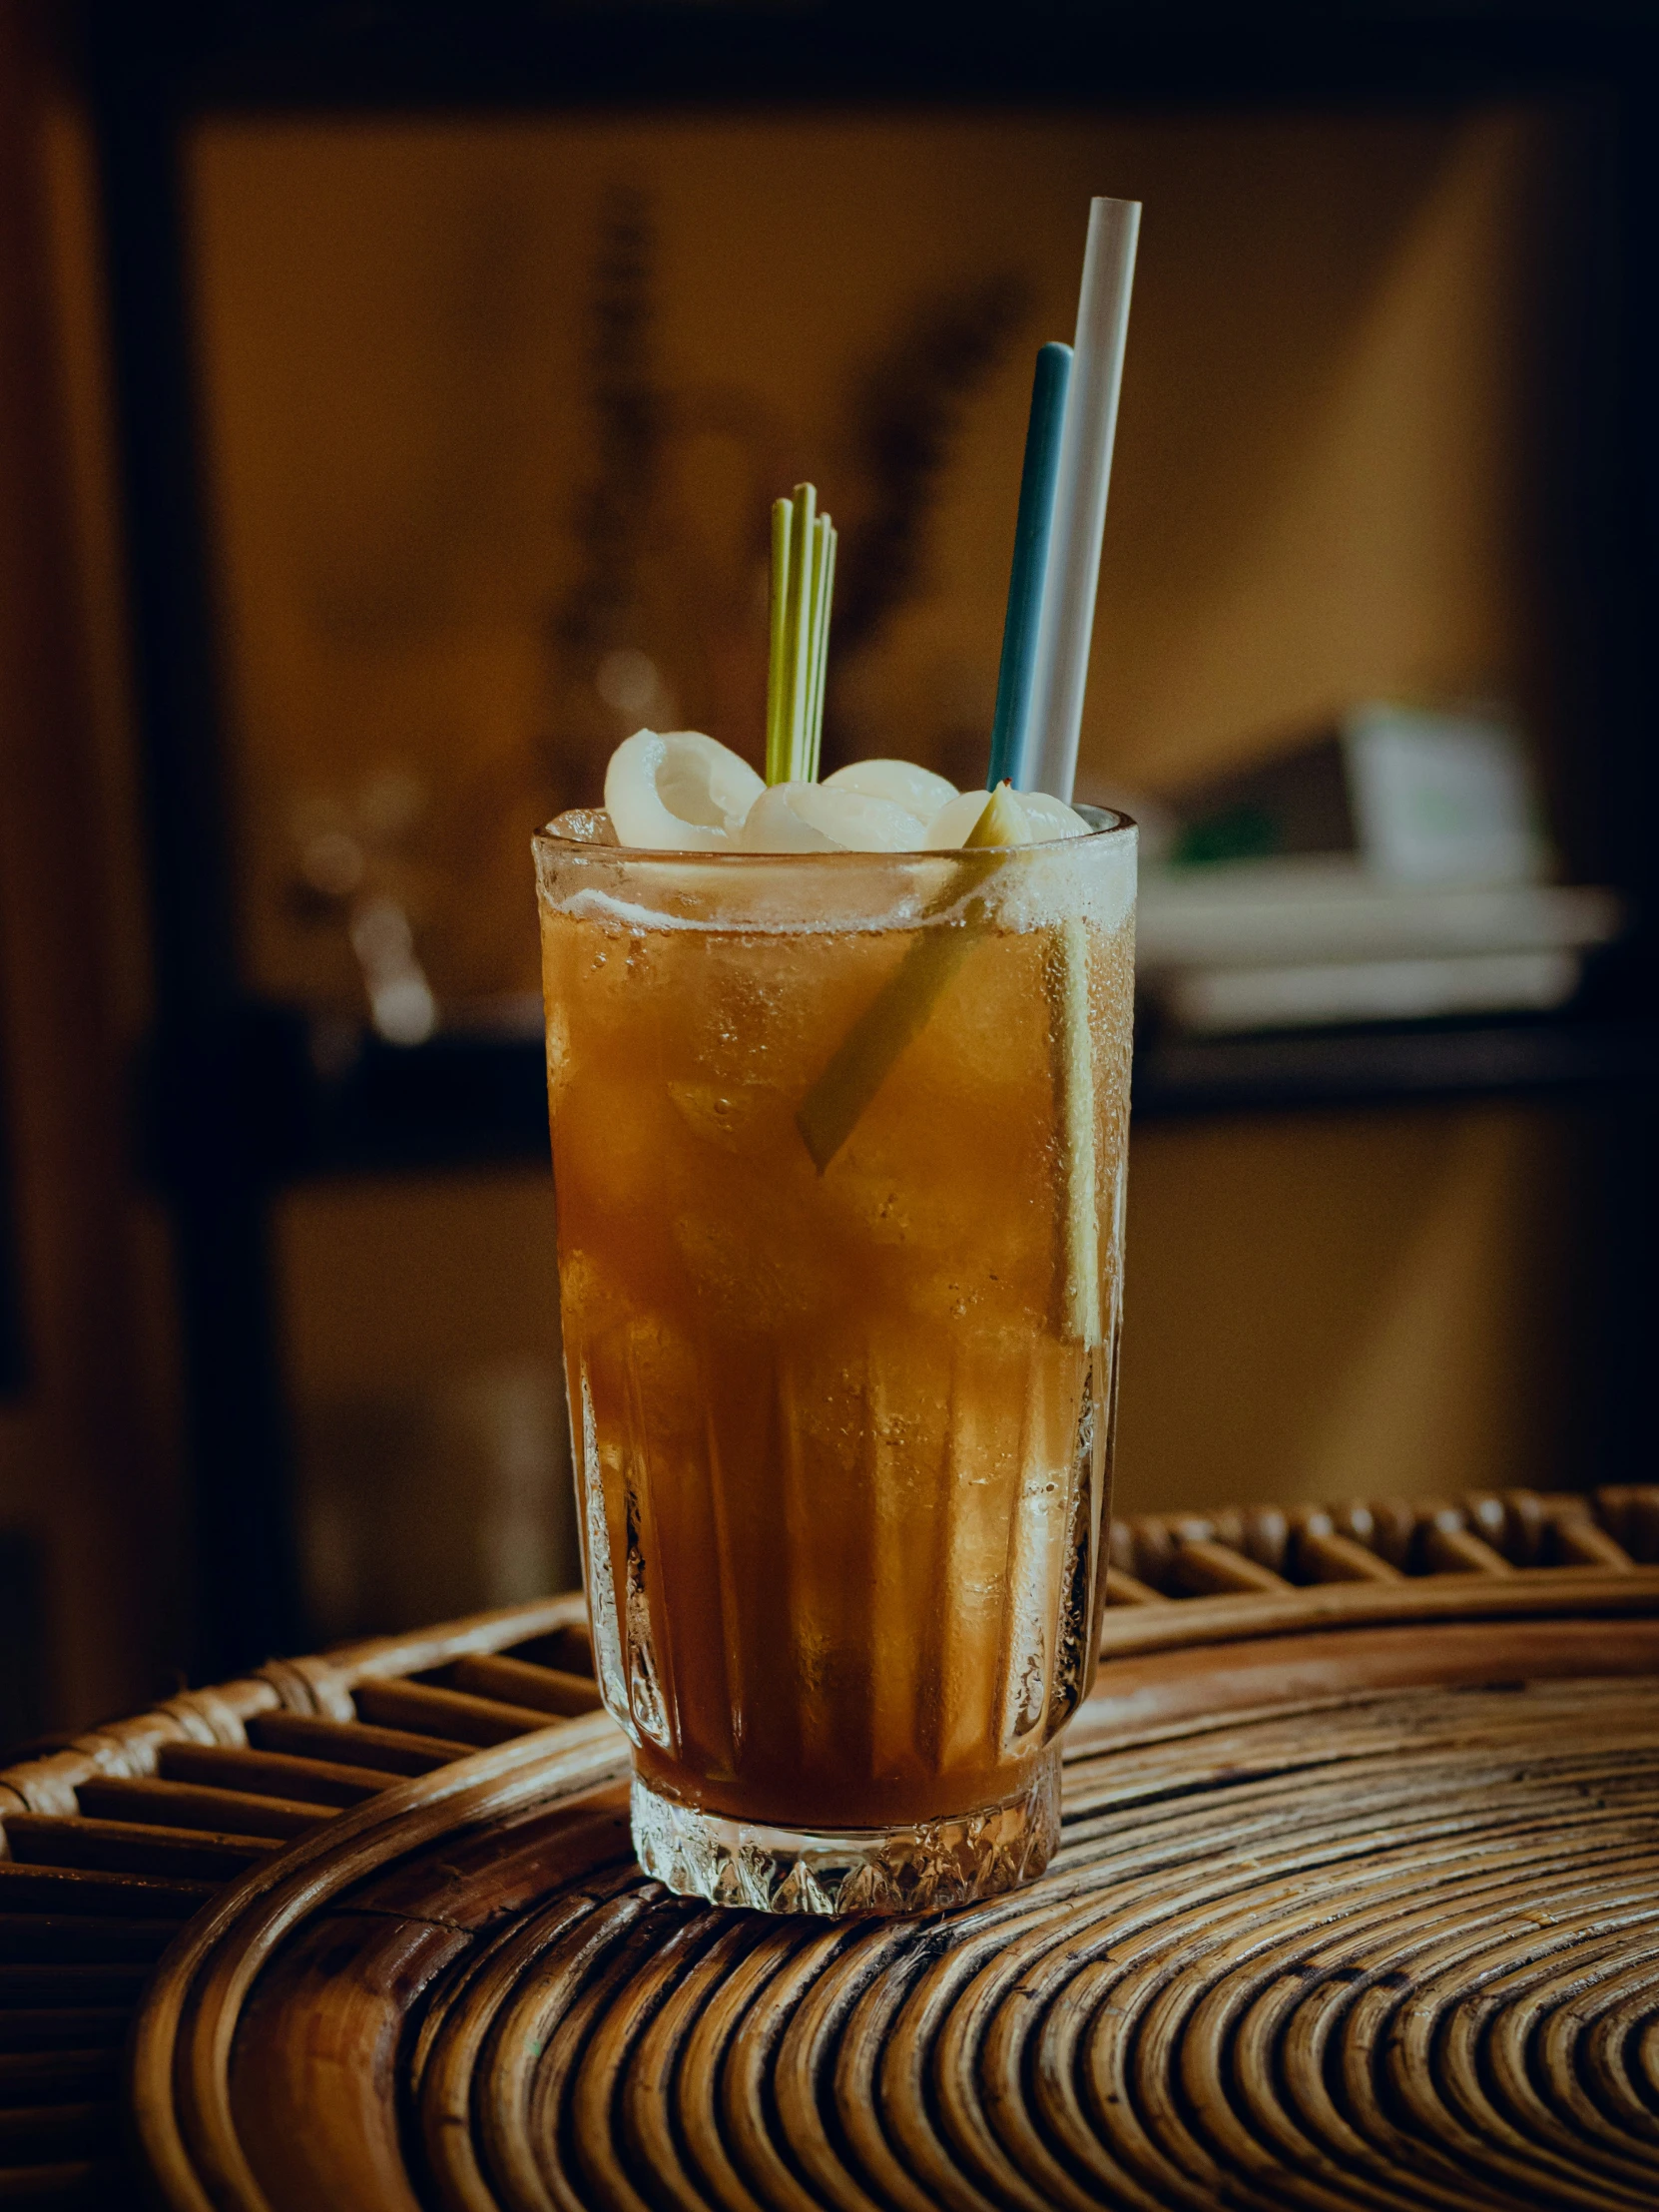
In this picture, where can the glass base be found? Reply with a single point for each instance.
(916, 1868)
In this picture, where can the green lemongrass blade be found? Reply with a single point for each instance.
(904, 1005)
(787, 652)
(815, 612)
(821, 649)
(803, 580)
(801, 630)
(778, 665)
(866, 1055)
(1068, 983)
(900, 1011)
(1079, 1224)
(814, 603)
(811, 587)
(801, 553)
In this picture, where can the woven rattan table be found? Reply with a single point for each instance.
(1358, 1906)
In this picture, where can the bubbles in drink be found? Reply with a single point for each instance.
(723, 1114)
(844, 1472)
(645, 1696)
(599, 1574)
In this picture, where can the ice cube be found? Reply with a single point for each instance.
(752, 1272)
(584, 826)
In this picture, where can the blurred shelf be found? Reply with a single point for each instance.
(327, 1103)
(470, 1100)
(1375, 1066)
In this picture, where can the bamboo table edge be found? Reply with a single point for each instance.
(1525, 1593)
(191, 1985)
(179, 2098)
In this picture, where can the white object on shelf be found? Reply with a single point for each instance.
(1318, 909)
(1443, 797)
(1316, 938)
(1217, 1002)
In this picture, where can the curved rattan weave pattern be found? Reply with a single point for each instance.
(1336, 1923)
(1358, 1906)
(1398, 1953)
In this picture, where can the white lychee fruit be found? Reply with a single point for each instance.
(678, 791)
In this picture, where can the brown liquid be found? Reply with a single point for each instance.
(843, 1473)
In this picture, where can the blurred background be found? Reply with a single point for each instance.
(390, 401)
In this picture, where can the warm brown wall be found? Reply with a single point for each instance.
(1328, 484)
(424, 1360)
(78, 1463)
(1353, 1304)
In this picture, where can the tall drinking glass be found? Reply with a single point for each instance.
(839, 1150)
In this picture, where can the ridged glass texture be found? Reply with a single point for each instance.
(839, 1154)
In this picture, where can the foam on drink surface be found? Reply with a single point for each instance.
(682, 791)
(874, 838)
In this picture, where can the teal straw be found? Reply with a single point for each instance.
(1012, 739)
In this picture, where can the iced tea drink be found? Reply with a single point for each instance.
(839, 1146)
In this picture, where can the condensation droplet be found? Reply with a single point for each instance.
(607, 1640)
(645, 1697)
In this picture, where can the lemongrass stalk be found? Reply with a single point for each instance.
(803, 582)
(1072, 1045)
(904, 1005)
(801, 562)
(806, 769)
(866, 1055)
(820, 655)
(777, 690)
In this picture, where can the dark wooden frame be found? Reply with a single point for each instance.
(13, 1342)
(235, 1105)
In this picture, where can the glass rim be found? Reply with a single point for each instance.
(1107, 822)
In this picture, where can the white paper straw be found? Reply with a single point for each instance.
(1091, 423)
